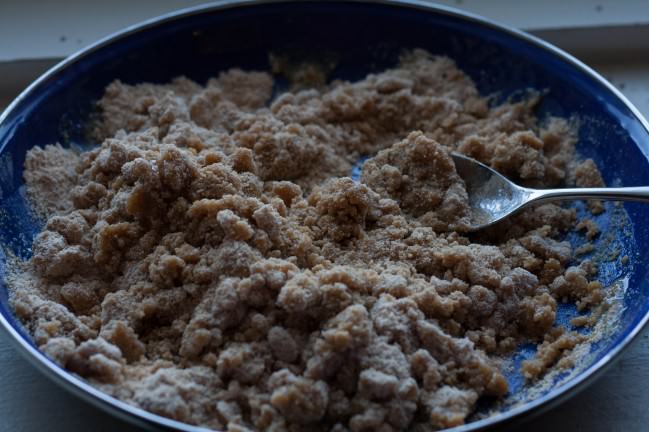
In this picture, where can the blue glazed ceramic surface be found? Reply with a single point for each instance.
(362, 38)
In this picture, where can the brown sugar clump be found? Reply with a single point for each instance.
(419, 174)
(211, 261)
(550, 351)
(343, 207)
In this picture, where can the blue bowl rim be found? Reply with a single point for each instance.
(149, 420)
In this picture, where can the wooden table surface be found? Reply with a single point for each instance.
(30, 402)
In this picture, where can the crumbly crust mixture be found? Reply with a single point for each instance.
(212, 262)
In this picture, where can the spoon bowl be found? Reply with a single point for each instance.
(493, 197)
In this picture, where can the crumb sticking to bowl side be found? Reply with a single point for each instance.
(212, 263)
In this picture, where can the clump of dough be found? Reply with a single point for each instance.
(419, 174)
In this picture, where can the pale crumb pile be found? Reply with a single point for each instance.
(212, 262)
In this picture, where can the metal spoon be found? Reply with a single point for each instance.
(492, 197)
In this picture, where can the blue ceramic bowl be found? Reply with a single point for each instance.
(365, 37)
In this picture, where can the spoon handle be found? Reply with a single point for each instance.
(640, 193)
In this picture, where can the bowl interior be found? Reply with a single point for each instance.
(361, 38)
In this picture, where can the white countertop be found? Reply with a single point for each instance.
(29, 402)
